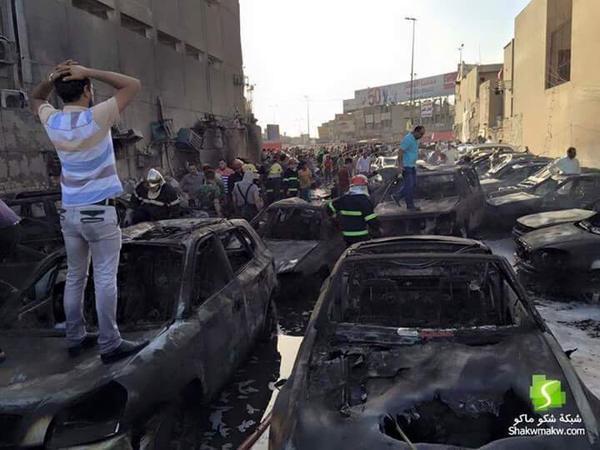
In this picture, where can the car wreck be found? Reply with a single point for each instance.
(553, 193)
(302, 238)
(511, 172)
(424, 344)
(450, 199)
(566, 256)
(199, 290)
(533, 222)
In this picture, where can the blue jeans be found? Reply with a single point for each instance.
(407, 188)
(92, 231)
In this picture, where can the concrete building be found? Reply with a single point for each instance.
(478, 102)
(556, 81)
(186, 52)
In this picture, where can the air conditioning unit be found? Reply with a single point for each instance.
(188, 139)
(11, 98)
(7, 52)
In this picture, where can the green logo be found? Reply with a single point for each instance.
(546, 394)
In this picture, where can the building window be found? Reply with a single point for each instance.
(167, 40)
(558, 42)
(193, 52)
(135, 25)
(94, 7)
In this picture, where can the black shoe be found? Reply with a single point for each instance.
(124, 350)
(414, 208)
(90, 340)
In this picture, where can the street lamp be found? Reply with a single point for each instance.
(412, 61)
(308, 114)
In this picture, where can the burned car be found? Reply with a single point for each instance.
(426, 346)
(40, 219)
(533, 222)
(511, 172)
(564, 256)
(303, 240)
(451, 201)
(554, 193)
(199, 290)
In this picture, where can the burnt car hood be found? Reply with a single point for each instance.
(547, 219)
(465, 393)
(516, 197)
(390, 210)
(38, 370)
(288, 254)
(556, 235)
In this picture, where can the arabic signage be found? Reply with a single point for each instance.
(436, 86)
(427, 109)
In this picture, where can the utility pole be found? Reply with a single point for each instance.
(412, 67)
(308, 114)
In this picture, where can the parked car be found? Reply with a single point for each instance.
(451, 201)
(199, 290)
(533, 222)
(303, 240)
(554, 193)
(564, 256)
(511, 172)
(423, 349)
(40, 219)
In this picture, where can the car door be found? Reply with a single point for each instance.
(560, 198)
(257, 278)
(475, 200)
(217, 312)
(586, 192)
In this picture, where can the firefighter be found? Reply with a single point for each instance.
(355, 213)
(273, 185)
(290, 179)
(154, 199)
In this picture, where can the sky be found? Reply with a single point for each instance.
(327, 49)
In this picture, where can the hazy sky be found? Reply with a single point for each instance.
(327, 49)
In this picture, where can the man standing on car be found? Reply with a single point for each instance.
(407, 163)
(81, 134)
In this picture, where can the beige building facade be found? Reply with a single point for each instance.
(556, 79)
(479, 102)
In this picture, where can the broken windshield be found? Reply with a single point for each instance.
(436, 187)
(299, 224)
(148, 285)
(427, 293)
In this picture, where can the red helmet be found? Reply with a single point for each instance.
(359, 180)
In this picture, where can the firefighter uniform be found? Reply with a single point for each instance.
(273, 185)
(356, 216)
(290, 183)
(165, 204)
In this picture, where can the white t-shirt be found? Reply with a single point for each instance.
(363, 165)
(568, 166)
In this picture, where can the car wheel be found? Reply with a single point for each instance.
(590, 292)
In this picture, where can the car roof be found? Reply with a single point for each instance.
(30, 195)
(174, 231)
(440, 170)
(420, 244)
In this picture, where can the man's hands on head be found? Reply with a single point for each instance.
(74, 72)
(61, 69)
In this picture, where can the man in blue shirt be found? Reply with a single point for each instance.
(407, 161)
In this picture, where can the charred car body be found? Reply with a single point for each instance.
(303, 240)
(511, 172)
(565, 255)
(40, 218)
(199, 290)
(451, 201)
(554, 193)
(422, 345)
